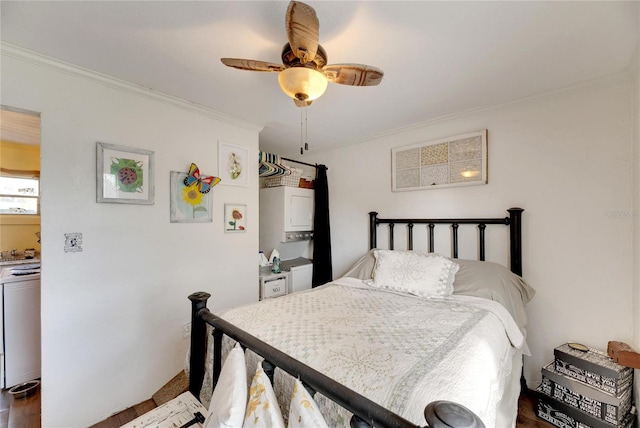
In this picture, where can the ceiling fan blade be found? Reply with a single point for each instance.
(302, 30)
(353, 74)
(251, 64)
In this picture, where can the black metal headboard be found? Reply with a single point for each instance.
(514, 221)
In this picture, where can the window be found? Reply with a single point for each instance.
(19, 196)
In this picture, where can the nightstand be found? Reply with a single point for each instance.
(273, 285)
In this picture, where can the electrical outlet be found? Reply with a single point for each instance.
(186, 330)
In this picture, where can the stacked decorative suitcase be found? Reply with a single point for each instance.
(586, 389)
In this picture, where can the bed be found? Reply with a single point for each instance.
(401, 330)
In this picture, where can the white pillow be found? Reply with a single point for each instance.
(304, 412)
(262, 410)
(229, 398)
(424, 275)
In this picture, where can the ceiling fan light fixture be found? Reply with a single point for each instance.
(302, 83)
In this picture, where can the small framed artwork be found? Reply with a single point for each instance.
(233, 164)
(124, 175)
(188, 203)
(460, 160)
(235, 218)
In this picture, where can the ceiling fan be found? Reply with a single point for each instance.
(304, 72)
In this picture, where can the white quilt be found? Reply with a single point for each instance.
(398, 350)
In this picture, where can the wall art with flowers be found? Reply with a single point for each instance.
(191, 198)
(235, 218)
(233, 164)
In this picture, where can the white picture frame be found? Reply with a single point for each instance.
(459, 160)
(235, 218)
(233, 164)
(124, 175)
(186, 209)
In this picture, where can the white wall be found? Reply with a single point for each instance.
(112, 315)
(566, 158)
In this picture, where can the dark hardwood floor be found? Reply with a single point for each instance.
(527, 412)
(126, 415)
(19, 413)
(25, 412)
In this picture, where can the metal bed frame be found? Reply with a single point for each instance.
(514, 221)
(366, 413)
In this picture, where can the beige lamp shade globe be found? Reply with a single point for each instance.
(301, 83)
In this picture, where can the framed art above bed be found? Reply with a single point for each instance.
(460, 160)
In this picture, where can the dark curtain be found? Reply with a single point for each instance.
(322, 267)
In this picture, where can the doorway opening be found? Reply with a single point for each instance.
(20, 251)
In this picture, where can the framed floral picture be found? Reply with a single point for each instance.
(188, 203)
(235, 218)
(124, 175)
(233, 164)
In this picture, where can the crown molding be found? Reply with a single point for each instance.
(38, 59)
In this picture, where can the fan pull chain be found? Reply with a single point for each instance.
(304, 145)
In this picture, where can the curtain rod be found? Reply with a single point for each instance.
(300, 162)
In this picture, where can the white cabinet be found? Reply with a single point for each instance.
(286, 213)
(301, 277)
(298, 209)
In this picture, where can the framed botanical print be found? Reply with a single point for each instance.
(188, 203)
(235, 218)
(233, 164)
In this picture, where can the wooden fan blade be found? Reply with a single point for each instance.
(353, 74)
(251, 64)
(302, 30)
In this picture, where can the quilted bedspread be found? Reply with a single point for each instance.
(398, 350)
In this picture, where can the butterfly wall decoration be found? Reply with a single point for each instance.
(202, 183)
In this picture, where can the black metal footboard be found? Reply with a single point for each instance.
(366, 412)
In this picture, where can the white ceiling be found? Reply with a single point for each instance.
(439, 58)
